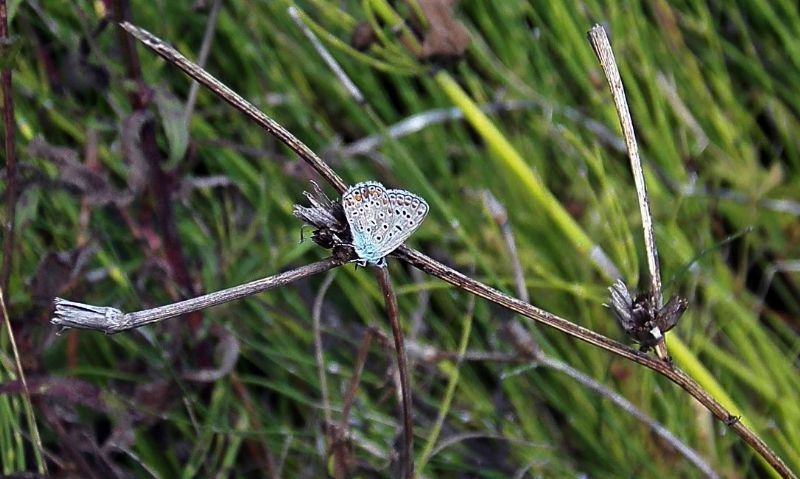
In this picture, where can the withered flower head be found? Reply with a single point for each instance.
(639, 317)
(328, 219)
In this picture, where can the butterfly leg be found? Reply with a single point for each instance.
(360, 262)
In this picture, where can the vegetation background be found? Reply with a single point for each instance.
(121, 204)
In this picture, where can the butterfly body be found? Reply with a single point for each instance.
(381, 220)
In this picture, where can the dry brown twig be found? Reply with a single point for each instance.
(644, 318)
(527, 347)
(8, 228)
(11, 159)
(439, 270)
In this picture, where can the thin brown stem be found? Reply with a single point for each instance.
(333, 65)
(11, 159)
(675, 443)
(666, 369)
(263, 454)
(500, 216)
(602, 48)
(130, 58)
(352, 386)
(527, 347)
(70, 314)
(208, 80)
(160, 182)
(319, 353)
(406, 464)
(340, 460)
(36, 439)
(205, 49)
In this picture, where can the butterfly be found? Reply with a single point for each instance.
(380, 220)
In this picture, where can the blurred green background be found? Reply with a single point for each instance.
(121, 204)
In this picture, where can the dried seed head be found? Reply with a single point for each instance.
(328, 219)
(639, 317)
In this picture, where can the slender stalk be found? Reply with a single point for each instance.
(36, 439)
(602, 48)
(406, 462)
(340, 464)
(452, 384)
(205, 49)
(334, 66)
(666, 369)
(526, 346)
(319, 354)
(587, 381)
(361, 358)
(208, 80)
(159, 181)
(11, 160)
(262, 455)
(70, 314)
(8, 240)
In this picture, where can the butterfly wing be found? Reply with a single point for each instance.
(408, 211)
(368, 212)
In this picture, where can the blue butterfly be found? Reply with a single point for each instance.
(381, 220)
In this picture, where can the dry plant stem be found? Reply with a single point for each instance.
(666, 369)
(434, 268)
(383, 278)
(339, 451)
(11, 160)
(26, 400)
(624, 404)
(602, 48)
(110, 320)
(160, 183)
(352, 386)
(206, 79)
(130, 59)
(337, 70)
(8, 233)
(419, 121)
(318, 351)
(500, 216)
(262, 455)
(389, 297)
(205, 49)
